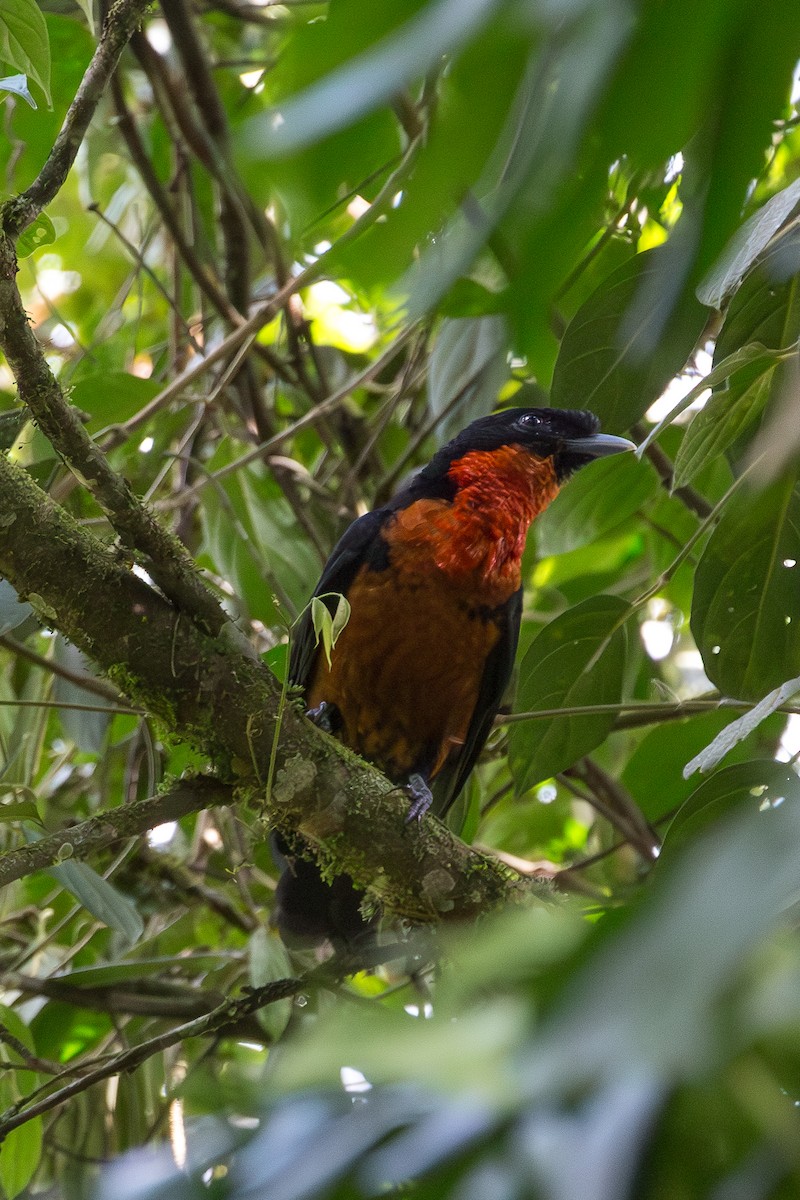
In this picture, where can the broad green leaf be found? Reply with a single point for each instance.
(100, 898)
(252, 538)
(648, 998)
(24, 43)
(40, 232)
(366, 82)
(22, 1150)
(755, 785)
(765, 308)
(746, 607)
(578, 659)
(20, 1155)
(746, 245)
(19, 810)
(599, 498)
(671, 745)
(18, 86)
(752, 91)
(726, 416)
(268, 960)
(617, 356)
(112, 397)
(477, 95)
(466, 370)
(277, 659)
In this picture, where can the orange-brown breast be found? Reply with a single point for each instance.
(407, 669)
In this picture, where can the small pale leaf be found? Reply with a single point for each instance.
(18, 86)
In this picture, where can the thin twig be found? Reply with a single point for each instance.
(226, 1014)
(284, 435)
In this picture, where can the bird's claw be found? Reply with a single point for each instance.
(325, 716)
(421, 797)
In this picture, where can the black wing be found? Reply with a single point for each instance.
(361, 542)
(495, 681)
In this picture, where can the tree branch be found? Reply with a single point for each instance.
(189, 796)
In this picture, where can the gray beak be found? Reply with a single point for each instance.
(598, 445)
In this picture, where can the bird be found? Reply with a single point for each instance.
(433, 579)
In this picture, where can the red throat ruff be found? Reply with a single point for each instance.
(500, 492)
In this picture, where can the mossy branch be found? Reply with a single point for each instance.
(106, 828)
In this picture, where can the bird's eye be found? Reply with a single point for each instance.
(530, 419)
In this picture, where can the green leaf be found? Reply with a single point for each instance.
(277, 659)
(746, 607)
(328, 625)
(112, 397)
(703, 920)
(40, 232)
(22, 1150)
(597, 500)
(18, 86)
(24, 43)
(765, 309)
(616, 356)
(746, 245)
(578, 659)
(252, 538)
(87, 8)
(101, 898)
(367, 81)
(126, 972)
(20, 1154)
(268, 960)
(726, 416)
(671, 745)
(19, 810)
(466, 370)
(754, 785)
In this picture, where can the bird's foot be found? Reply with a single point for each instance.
(325, 716)
(421, 797)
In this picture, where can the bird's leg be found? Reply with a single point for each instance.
(325, 716)
(421, 796)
